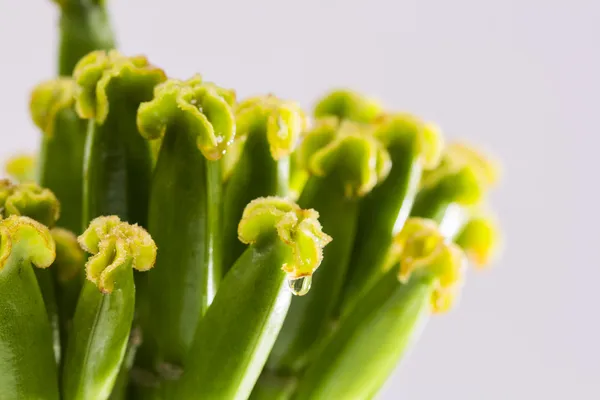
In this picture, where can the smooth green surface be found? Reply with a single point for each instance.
(184, 222)
(256, 175)
(26, 356)
(309, 317)
(118, 165)
(431, 203)
(382, 214)
(236, 335)
(83, 28)
(61, 166)
(369, 342)
(273, 387)
(101, 328)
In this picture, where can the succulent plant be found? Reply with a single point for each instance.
(170, 241)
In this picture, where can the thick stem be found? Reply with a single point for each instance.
(431, 203)
(26, 358)
(82, 29)
(118, 166)
(369, 342)
(103, 323)
(309, 317)
(224, 363)
(256, 175)
(273, 387)
(382, 215)
(184, 221)
(61, 166)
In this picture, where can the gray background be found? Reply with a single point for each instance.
(518, 77)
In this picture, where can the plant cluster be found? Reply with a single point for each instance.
(171, 241)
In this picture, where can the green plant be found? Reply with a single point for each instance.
(239, 249)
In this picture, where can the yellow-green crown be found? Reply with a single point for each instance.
(29, 200)
(423, 252)
(350, 105)
(464, 174)
(21, 168)
(95, 73)
(70, 258)
(25, 239)
(347, 149)
(48, 99)
(480, 239)
(283, 122)
(115, 245)
(299, 229)
(67, 4)
(425, 138)
(203, 108)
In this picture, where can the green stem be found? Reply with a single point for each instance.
(184, 221)
(94, 355)
(256, 174)
(273, 387)
(83, 28)
(382, 215)
(224, 363)
(309, 317)
(105, 309)
(118, 166)
(46, 283)
(61, 166)
(431, 203)
(27, 361)
(358, 358)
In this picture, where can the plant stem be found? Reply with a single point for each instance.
(83, 28)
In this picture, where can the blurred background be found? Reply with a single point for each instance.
(520, 78)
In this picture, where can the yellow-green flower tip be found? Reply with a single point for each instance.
(115, 245)
(21, 168)
(78, 3)
(349, 151)
(203, 108)
(29, 200)
(70, 258)
(350, 105)
(100, 73)
(425, 138)
(48, 99)
(423, 251)
(299, 229)
(463, 174)
(480, 239)
(27, 239)
(283, 122)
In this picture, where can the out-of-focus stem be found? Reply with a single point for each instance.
(346, 163)
(84, 27)
(412, 145)
(60, 163)
(359, 356)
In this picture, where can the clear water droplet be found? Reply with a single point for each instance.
(299, 286)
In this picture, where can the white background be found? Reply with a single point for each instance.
(520, 77)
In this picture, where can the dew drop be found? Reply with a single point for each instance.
(299, 286)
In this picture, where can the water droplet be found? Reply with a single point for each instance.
(299, 286)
